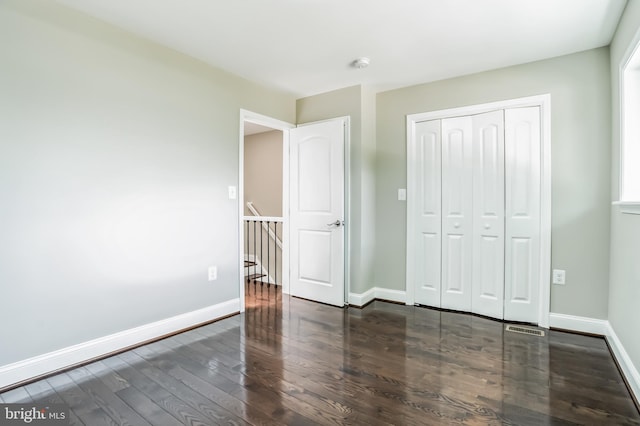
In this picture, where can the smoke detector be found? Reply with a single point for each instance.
(361, 63)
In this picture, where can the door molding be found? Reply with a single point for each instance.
(253, 117)
(542, 101)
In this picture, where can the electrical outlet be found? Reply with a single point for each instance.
(213, 273)
(402, 194)
(559, 276)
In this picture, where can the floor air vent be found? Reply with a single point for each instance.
(525, 330)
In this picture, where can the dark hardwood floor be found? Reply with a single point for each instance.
(291, 361)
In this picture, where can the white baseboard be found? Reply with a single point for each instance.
(392, 295)
(629, 370)
(361, 299)
(63, 358)
(579, 324)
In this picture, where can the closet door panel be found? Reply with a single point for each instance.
(428, 219)
(522, 240)
(457, 214)
(488, 214)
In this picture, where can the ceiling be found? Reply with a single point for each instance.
(254, 128)
(306, 47)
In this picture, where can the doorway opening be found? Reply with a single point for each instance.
(263, 214)
(293, 202)
(262, 204)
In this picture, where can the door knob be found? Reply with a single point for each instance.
(456, 225)
(338, 222)
(487, 226)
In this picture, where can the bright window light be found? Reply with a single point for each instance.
(630, 131)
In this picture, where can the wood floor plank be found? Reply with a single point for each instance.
(388, 381)
(17, 396)
(110, 403)
(111, 379)
(265, 382)
(252, 415)
(42, 393)
(293, 362)
(308, 379)
(439, 413)
(145, 407)
(239, 386)
(179, 409)
(79, 402)
(210, 409)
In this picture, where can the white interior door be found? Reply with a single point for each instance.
(317, 212)
(523, 213)
(488, 214)
(427, 209)
(457, 213)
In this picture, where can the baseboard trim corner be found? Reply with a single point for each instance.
(398, 296)
(379, 293)
(603, 328)
(361, 299)
(39, 366)
(629, 371)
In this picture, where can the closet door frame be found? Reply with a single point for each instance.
(542, 101)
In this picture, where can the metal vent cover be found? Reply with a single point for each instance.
(525, 330)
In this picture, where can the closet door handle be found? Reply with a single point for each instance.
(456, 225)
(487, 226)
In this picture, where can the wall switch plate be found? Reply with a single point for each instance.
(559, 276)
(402, 194)
(213, 273)
(233, 193)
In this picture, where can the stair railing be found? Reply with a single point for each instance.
(255, 213)
(261, 248)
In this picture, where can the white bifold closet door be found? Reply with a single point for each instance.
(488, 214)
(428, 213)
(477, 213)
(457, 213)
(523, 211)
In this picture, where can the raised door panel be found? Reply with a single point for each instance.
(457, 213)
(314, 176)
(523, 188)
(314, 262)
(488, 214)
(428, 215)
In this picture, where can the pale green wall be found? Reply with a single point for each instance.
(368, 190)
(359, 104)
(115, 157)
(581, 167)
(624, 291)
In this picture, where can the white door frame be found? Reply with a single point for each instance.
(248, 116)
(542, 101)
